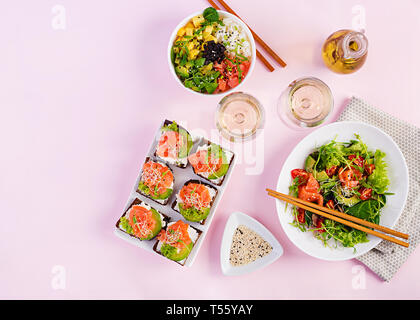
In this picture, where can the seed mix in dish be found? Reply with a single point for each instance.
(247, 246)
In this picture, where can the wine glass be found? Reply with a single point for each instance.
(239, 117)
(305, 103)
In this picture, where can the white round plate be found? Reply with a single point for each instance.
(344, 131)
(236, 219)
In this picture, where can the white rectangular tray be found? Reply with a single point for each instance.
(181, 176)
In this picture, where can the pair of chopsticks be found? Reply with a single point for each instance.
(343, 218)
(256, 37)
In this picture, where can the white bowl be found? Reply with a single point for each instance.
(236, 219)
(344, 131)
(222, 14)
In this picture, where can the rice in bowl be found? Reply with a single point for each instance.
(233, 37)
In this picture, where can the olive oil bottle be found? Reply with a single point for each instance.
(345, 51)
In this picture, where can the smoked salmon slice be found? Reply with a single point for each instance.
(176, 235)
(170, 143)
(309, 191)
(141, 221)
(157, 177)
(195, 195)
(204, 161)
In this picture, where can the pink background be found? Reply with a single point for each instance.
(81, 105)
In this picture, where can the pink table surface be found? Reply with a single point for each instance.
(80, 106)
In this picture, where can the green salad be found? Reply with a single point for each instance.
(344, 176)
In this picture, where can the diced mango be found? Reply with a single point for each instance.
(210, 38)
(198, 20)
(189, 31)
(207, 31)
(190, 46)
(180, 32)
(193, 54)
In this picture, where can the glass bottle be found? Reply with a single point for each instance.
(345, 51)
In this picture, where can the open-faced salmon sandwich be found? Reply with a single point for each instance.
(156, 181)
(211, 162)
(142, 221)
(174, 144)
(177, 241)
(194, 200)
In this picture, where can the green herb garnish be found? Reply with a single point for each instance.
(211, 14)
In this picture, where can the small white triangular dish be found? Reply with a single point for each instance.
(236, 219)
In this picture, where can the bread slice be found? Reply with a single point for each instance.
(183, 162)
(165, 218)
(215, 191)
(163, 201)
(158, 243)
(205, 144)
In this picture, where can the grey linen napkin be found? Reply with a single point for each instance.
(387, 257)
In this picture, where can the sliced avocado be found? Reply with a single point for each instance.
(189, 65)
(199, 62)
(219, 173)
(146, 190)
(173, 254)
(207, 68)
(182, 71)
(156, 216)
(184, 151)
(222, 170)
(192, 214)
(321, 176)
(164, 195)
(309, 164)
(347, 201)
(211, 87)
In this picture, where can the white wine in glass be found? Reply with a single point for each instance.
(239, 116)
(306, 102)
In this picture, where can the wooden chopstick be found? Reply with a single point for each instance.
(259, 54)
(259, 40)
(342, 218)
(343, 215)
